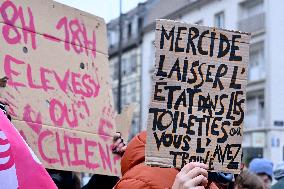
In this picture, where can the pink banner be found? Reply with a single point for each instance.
(18, 163)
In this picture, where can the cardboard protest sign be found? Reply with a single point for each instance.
(59, 88)
(123, 121)
(197, 106)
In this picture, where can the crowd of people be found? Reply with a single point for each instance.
(135, 174)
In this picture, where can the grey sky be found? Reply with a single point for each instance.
(108, 9)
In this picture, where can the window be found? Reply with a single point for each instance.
(251, 16)
(251, 113)
(112, 37)
(255, 114)
(129, 30)
(124, 66)
(124, 33)
(129, 66)
(133, 61)
(140, 23)
(114, 91)
(123, 95)
(115, 71)
(135, 125)
(261, 111)
(252, 152)
(256, 62)
(133, 92)
(251, 8)
(219, 20)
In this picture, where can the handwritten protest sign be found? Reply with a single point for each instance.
(197, 106)
(59, 88)
(123, 121)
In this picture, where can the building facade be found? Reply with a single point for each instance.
(264, 117)
(264, 126)
(131, 61)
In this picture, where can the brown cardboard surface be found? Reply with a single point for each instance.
(58, 21)
(196, 62)
(71, 150)
(198, 100)
(56, 85)
(186, 95)
(123, 121)
(42, 73)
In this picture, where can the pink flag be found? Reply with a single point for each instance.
(19, 166)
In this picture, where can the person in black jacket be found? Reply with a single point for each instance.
(64, 179)
(101, 181)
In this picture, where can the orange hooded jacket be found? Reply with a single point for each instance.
(137, 175)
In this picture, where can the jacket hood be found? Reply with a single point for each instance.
(135, 152)
(135, 155)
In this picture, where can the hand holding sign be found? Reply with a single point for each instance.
(3, 81)
(119, 146)
(192, 176)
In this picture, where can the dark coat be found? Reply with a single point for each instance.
(101, 181)
(279, 184)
